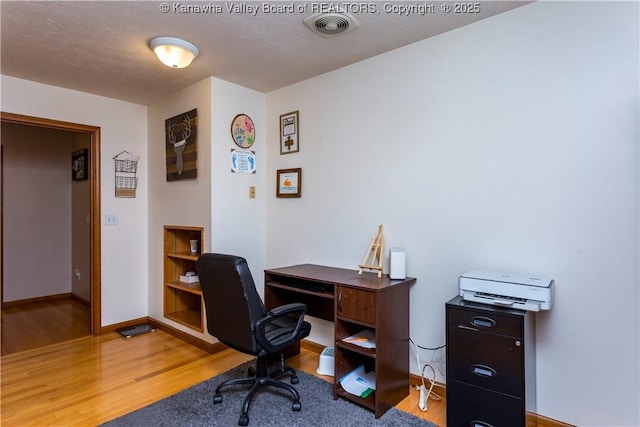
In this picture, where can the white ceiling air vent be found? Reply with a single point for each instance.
(331, 24)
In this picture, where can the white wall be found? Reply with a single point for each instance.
(238, 223)
(36, 212)
(218, 199)
(510, 145)
(122, 127)
(182, 202)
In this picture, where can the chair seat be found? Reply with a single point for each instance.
(279, 331)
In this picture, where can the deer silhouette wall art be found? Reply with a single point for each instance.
(181, 146)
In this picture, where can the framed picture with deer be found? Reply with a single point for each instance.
(180, 145)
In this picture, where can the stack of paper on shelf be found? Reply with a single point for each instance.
(358, 382)
(366, 339)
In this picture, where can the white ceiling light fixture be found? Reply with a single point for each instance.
(331, 24)
(174, 52)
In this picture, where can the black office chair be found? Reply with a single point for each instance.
(238, 318)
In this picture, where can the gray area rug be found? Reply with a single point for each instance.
(270, 407)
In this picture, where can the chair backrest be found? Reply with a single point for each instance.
(232, 303)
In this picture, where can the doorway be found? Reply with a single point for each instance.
(93, 170)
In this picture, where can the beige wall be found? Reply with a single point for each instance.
(218, 199)
(81, 228)
(182, 202)
(123, 126)
(510, 144)
(37, 212)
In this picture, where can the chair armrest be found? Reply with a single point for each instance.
(288, 308)
(274, 314)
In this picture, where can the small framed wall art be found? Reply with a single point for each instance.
(289, 133)
(243, 131)
(243, 161)
(289, 182)
(79, 163)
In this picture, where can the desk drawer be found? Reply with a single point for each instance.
(356, 304)
(470, 406)
(485, 321)
(491, 361)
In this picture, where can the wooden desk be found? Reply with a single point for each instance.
(354, 303)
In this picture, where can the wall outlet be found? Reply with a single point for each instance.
(111, 219)
(252, 192)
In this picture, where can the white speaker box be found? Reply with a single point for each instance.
(397, 263)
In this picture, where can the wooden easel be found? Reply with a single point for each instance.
(376, 252)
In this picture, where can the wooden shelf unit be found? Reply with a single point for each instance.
(183, 302)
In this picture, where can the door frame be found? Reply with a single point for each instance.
(94, 174)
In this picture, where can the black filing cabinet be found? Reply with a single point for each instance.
(490, 365)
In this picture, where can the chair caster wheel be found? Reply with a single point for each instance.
(295, 380)
(243, 420)
(218, 399)
(296, 406)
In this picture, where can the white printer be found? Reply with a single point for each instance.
(506, 290)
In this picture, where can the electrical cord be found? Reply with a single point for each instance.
(426, 348)
(425, 393)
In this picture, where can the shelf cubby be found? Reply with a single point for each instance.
(183, 302)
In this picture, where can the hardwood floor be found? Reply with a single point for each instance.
(43, 322)
(90, 380)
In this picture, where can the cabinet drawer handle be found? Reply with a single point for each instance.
(476, 423)
(483, 322)
(340, 301)
(483, 371)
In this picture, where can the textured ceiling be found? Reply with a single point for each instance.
(102, 47)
